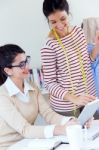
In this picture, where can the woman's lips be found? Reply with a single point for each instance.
(26, 72)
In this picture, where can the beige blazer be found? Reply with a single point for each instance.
(17, 118)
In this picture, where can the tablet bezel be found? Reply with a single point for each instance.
(88, 111)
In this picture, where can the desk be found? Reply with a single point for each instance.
(24, 144)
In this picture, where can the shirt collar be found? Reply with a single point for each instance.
(14, 90)
(27, 87)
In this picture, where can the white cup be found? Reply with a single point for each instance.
(75, 137)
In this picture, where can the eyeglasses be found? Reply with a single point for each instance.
(22, 64)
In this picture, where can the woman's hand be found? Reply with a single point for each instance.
(81, 100)
(97, 40)
(61, 129)
(89, 123)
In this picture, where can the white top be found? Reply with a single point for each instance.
(14, 90)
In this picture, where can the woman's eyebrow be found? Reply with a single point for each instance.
(21, 61)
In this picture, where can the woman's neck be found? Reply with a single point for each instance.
(61, 35)
(65, 33)
(19, 83)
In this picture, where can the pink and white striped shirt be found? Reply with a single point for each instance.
(55, 70)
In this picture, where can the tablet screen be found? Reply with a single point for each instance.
(88, 111)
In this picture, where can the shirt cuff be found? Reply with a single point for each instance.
(65, 120)
(48, 131)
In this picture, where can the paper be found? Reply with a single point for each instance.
(43, 144)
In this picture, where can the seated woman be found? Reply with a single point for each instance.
(20, 102)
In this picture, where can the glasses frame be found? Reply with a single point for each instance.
(22, 64)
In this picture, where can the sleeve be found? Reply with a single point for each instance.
(90, 47)
(96, 62)
(48, 57)
(49, 130)
(49, 115)
(14, 119)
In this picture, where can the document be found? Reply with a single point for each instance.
(48, 144)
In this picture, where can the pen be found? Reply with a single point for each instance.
(57, 144)
(95, 136)
(85, 134)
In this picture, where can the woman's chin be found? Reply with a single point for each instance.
(26, 76)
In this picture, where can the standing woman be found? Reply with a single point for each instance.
(66, 63)
(21, 102)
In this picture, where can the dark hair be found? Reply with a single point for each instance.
(8, 53)
(50, 6)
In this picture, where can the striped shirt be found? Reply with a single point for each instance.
(56, 74)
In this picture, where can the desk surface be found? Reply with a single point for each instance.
(25, 143)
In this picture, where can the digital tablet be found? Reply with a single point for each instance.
(88, 111)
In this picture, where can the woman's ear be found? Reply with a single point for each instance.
(8, 71)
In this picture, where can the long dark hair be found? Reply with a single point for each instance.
(50, 6)
(8, 53)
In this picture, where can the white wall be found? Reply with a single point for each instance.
(22, 22)
(83, 8)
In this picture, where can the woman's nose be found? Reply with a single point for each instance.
(27, 67)
(59, 25)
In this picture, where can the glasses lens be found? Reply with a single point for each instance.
(28, 59)
(23, 64)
